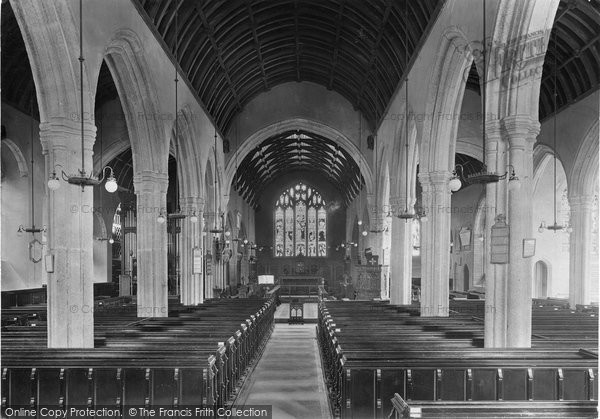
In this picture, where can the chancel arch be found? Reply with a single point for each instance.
(417, 179)
(314, 127)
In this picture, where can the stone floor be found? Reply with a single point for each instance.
(289, 376)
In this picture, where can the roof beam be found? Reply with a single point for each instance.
(257, 44)
(564, 63)
(211, 35)
(297, 36)
(386, 15)
(336, 43)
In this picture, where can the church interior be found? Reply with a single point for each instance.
(300, 208)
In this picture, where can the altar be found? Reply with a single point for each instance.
(300, 285)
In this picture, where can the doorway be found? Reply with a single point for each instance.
(540, 277)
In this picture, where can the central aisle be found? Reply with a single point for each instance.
(289, 375)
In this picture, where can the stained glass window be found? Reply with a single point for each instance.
(300, 223)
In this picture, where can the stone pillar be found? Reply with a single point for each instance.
(152, 292)
(70, 242)
(580, 252)
(400, 257)
(192, 287)
(435, 244)
(521, 133)
(495, 275)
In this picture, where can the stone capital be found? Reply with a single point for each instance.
(66, 133)
(150, 182)
(581, 202)
(520, 130)
(435, 179)
(192, 204)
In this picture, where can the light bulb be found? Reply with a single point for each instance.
(245, 241)
(111, 185)
(227, 233)
(161, 218)
(454, 184)
(364, 233)
(359, 222)
(53, 183)
(541, 227)
(194, 218)
(514, 184)
(111, 240)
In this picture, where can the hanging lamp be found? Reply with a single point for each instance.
(484, 176)
(359, 222)
(102, 239)
(178, 215)
(379, 225)
(555, 226)
(216, 229)
(81, 179)
(33, 229)
(407, 214)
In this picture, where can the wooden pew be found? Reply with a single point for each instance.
(500, 409)
(172, 361)
(369, 354)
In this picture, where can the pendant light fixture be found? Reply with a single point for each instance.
(359, 222)
(178, 215)
(81, 178)
(484, 176)
(407, 214)
(554, 227)
(107, 238)
(33, 229)
(378, 225)
(216, 229)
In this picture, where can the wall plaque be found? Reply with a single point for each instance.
(197, 260)
(528, 248)
(500, 241)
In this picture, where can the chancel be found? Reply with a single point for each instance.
(313, 209)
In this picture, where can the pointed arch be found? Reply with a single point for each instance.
(583, 176)
(18, 156)
(319, 128)
(125, 58)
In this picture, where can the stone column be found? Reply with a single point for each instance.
(152, 292)
(401, 256)
(192, 287)
(435, 244)
(495, 275)
(521, 133)
(70, 242)
(580, 252)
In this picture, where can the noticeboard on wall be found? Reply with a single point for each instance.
(500, 241)
(197, 260)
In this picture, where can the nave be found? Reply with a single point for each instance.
(407, 189)
(362, 359)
